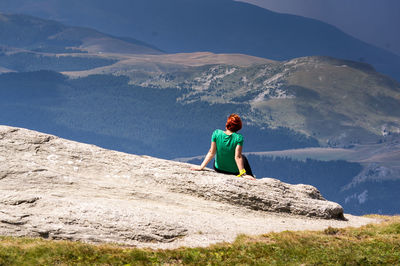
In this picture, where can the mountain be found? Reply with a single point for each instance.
(219, 26)
(312, 95)
(30, 44)
(47, 36)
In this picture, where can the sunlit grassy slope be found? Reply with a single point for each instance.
(371, 244)
(337, 102)
(344, 98)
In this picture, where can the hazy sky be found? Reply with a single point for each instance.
(374, 21)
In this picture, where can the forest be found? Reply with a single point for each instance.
(107, 111)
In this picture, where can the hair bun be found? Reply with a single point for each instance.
(234, 123)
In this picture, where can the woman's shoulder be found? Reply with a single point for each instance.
(218, 131)
(238, 136)
(216, 134)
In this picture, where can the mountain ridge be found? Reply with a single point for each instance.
(24, 31)
(222, 26)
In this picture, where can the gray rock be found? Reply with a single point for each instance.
(60, 189)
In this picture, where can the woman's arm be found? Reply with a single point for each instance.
(240, 163)
(238, 157)
(209, 156)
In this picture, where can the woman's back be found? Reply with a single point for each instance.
(225, 154)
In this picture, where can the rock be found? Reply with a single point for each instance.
(60, 189)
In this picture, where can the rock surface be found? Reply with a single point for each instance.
(60, 189)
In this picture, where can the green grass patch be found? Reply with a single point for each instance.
(370, 244)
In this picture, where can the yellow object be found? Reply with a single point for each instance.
(242, 172)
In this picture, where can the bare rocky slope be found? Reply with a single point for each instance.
(60, 189)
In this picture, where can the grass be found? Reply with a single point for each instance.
(370, 244)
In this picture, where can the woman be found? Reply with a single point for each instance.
(227, 146)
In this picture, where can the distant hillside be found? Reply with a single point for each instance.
(338, 102)
(47, 36)
(108, 111)
(23, 60)
(326, 101)
(220, 26)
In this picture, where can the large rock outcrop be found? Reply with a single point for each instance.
(60, 189)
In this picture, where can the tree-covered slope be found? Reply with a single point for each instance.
(107, 111)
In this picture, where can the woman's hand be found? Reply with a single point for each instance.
(208, 158)
(248, 177)
(196, 168)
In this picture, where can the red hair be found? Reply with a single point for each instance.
(234, 123)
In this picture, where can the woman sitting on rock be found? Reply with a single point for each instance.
(227, 146)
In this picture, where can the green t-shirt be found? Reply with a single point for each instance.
(226, 145)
